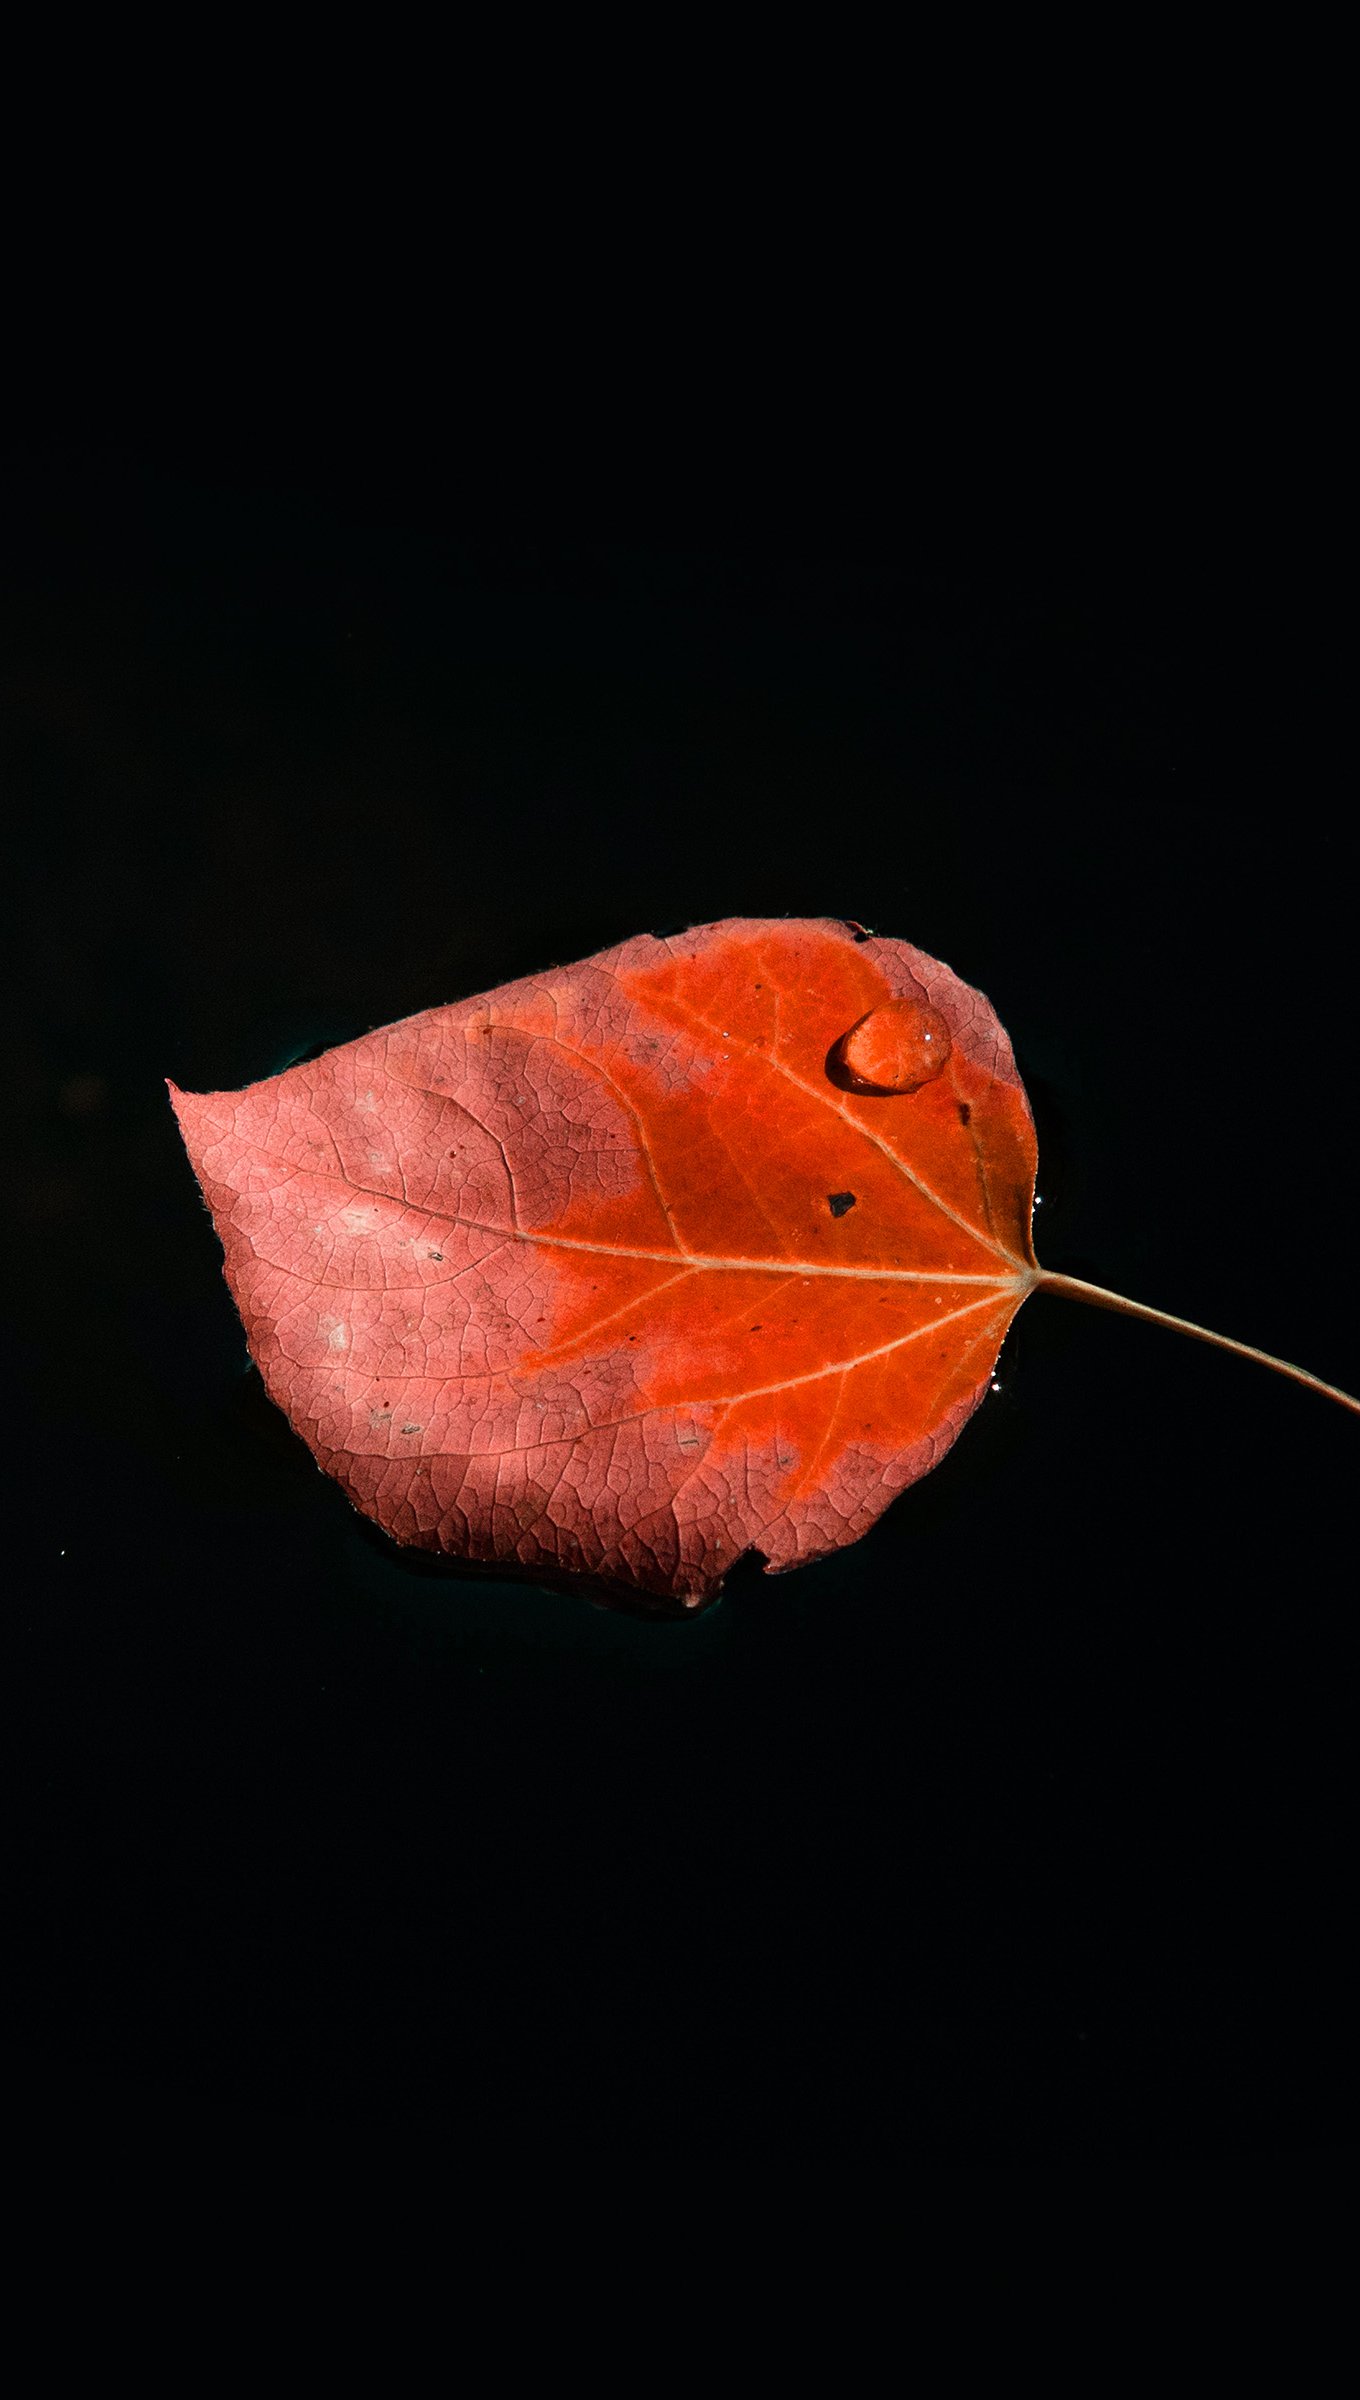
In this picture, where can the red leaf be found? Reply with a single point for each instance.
(706, 1244)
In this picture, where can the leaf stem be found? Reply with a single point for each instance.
(1072, 1288)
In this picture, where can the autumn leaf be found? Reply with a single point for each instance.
(705, 1245)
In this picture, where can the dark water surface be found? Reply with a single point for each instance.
(1023, 1831)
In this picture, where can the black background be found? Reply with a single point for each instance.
(1023, 1831)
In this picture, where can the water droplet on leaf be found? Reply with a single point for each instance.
(896, 1048)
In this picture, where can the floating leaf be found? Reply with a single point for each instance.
(705, 1245)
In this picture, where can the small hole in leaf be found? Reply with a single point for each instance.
(839, 1202)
